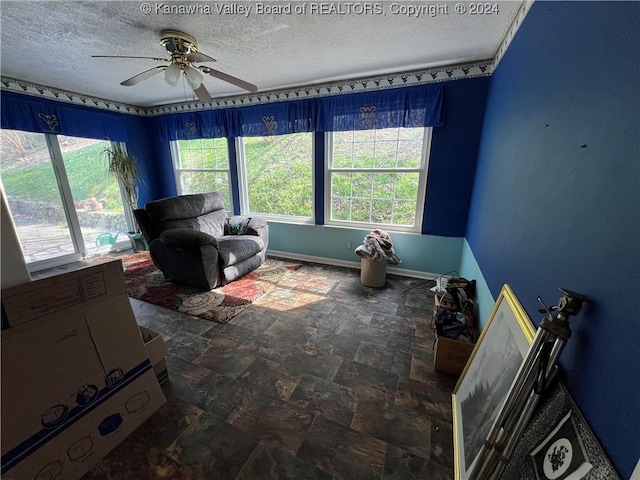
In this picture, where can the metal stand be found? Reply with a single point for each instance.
(534, 376)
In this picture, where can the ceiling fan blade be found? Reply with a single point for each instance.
(202, 93)
(230, 79)
(129, 56)
(143, 76)
(197, 57)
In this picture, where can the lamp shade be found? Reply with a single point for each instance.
(172, 74)
(194, 77)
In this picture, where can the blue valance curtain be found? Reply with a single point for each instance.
(191, 125)
(419, 106)
(402, 107)
(275, 119)
(20, 112)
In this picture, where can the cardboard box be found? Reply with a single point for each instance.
(76, 377)
(157, 351)
(451, 355)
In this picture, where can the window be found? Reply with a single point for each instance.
(63, 202)
(377, 178)
(277, 175)
(201, 166)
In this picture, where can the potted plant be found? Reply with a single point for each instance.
(124, 168)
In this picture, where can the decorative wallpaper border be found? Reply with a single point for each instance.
(515, 25)
(418, 77)
(395, 80)
(433, 75)
(51, 93)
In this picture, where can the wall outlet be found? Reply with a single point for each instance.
(348, 244)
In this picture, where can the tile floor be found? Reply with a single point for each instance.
(322, 378)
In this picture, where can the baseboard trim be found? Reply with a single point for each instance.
(349, 264)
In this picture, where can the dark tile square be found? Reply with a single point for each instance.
(365, 332)
(442, 443)
(368, 381)
(271, 378)
(229, 335)
(183, 375)
(343, 452)
(422, 397)
(402, 465)
(226, 398)
(395, 425)
(374, 355)
(166, 424)
(187, 345)
(226, 360)
(334, 344)
(283, 329)
(206, 451)
(135, 459)
(400, 325)
(268, 346)
(270, 463)
(255, 318)
(203, 393)
(328, 399)
(313, 362)
(276, 422)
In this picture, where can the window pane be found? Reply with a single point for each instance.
(407, 186)
(342, 155)
(404, 213)
(386, 152)
(363, 194)
(382, 211)
(341, 184)
(203, 153)
(360, 210)
(384, 185)
(33, 196)
(96, 194)
(341, 208)
(203, 182)
(386, 134)
(203, 166)
(409, 153)
(279, 174)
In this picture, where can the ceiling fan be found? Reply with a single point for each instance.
(183, 49)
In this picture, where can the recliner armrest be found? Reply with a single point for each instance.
(254, 224)
(186, 237)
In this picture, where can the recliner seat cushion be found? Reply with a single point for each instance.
(233, 249)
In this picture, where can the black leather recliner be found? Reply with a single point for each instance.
(193, 240)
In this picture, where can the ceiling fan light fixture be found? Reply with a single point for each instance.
(194, 77)
(172, 74)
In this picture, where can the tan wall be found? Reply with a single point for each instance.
(13, 269)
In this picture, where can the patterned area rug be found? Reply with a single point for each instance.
(145, 282)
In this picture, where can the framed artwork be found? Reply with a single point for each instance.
(487, 378)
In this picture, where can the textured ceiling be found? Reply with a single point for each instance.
(51, 43)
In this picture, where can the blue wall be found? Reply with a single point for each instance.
(155, 159)
(556, 199)
(452, 163)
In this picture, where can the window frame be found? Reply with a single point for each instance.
(422, 171)
(63, 185)
(243, 186)
(175, 160)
